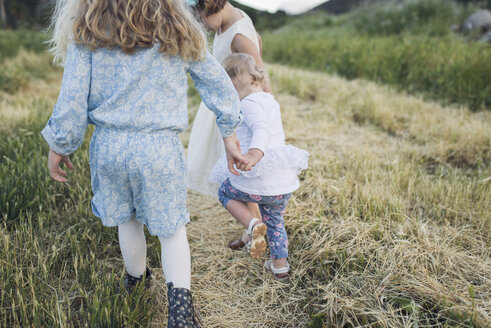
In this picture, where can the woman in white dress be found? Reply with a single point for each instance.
(234, 33)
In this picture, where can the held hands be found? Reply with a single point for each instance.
(55, 171)
(253, 157)
(234, 156)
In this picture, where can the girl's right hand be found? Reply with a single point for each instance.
(55, 171)
(234, 156)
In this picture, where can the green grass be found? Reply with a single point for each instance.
(431, 17)
(390, 227)
(405, 45)
(384, 212)
(12, 41)
(19, 60)
(53, 273)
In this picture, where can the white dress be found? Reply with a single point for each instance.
(206, 143)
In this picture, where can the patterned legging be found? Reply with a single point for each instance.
(272, 210)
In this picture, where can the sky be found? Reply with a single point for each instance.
(290, 6)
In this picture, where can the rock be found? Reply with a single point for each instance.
(486, 37)
(478, 21)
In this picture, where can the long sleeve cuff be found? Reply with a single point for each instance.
(58, 147)
(228, 129)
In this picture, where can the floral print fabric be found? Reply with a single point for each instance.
(141, 174)
(272, 210)
(138, 104)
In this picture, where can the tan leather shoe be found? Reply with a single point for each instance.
(236, 245)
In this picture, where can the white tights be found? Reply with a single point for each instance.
(176, 258)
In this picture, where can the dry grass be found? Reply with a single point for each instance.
(390, 228)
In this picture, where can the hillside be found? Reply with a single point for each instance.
(390, 227)
(405, 44)
(344, 6)
(339, 6)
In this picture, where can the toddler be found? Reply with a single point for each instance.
(272, 167)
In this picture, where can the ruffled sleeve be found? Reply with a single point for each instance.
(217, 92)
(66, 128)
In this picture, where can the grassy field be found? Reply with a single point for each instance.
(408, 44)
(390, 228)
(16, 70)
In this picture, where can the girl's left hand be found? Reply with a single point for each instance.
(55, 171)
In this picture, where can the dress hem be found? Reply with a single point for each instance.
(183, 220)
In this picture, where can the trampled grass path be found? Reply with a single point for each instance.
(390, 228)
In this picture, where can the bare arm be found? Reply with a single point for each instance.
(243, 44)
(219, 95)
(260, 44)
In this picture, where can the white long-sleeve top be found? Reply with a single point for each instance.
(262, 128)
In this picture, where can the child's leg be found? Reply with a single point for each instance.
(240, 211)
(133, 247)
(254, 208)
(176, 262)
(236, 202)
(176, 259)
(256, 213)
(254, 237)
(277, 237)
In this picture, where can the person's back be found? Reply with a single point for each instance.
(125, 72)
(274, 165)
(145, 91)
(277, 172)
(268, 104)
(243, 27)
(141, 92)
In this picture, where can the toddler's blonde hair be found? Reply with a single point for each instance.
(128, 24)
(238, 64)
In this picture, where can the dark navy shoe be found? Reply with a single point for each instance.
(131, 282)
(181, 309)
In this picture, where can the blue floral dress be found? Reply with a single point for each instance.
(138, 104)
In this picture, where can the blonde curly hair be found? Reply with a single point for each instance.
(238, 64)
(127, 24)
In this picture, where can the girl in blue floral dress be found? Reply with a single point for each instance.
(125, 72)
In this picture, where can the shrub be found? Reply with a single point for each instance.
(12, 41)
(19, 61)
(433, 17)
(16, 72)
(445, 68)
